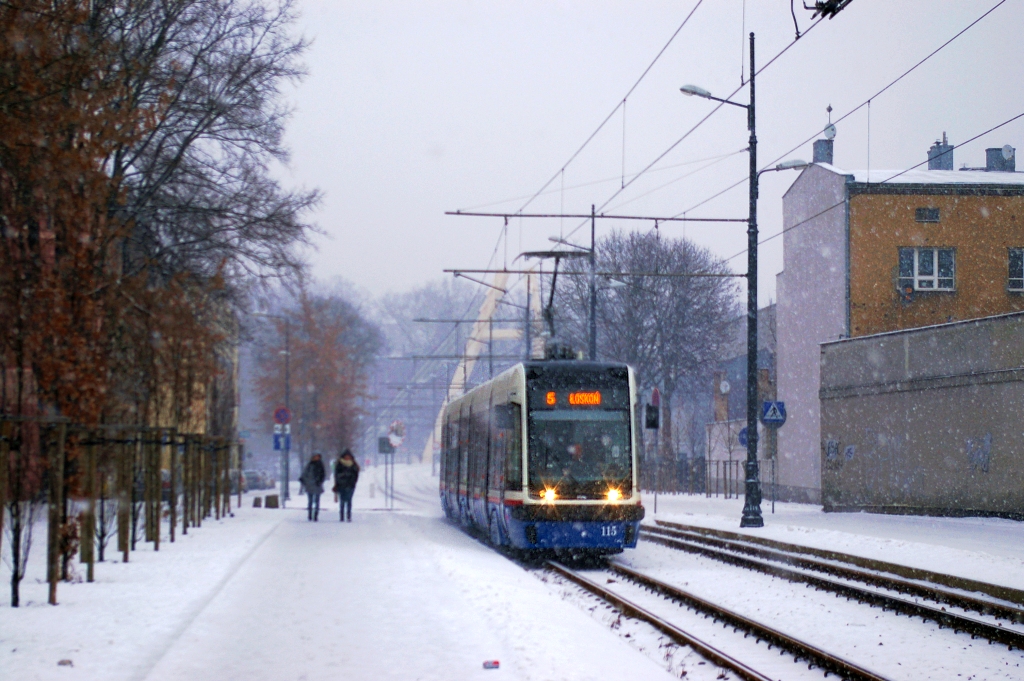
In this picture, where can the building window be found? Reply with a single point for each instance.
(1015, 280)
(926, 214)
(927, 269)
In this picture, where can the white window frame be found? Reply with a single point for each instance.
(928, 282)
(1015, 280)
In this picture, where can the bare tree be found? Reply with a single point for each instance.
(106, 515)
(671, 328)
(20, 520)
(332, 347)
(424, 382)
(195, 185)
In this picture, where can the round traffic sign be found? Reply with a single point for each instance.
(282, 415)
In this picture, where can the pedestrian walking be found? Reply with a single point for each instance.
(346, 473)
(312, 480)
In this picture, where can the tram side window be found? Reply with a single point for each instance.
(482, 419)
(477, 448)
(499, 443)
(452, 453)
(443, 463)
(463, 447)
(514, 449)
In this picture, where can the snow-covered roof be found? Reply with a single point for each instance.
(922, 176)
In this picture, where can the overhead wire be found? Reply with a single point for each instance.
(857, 108)
(591, 183)
(614, 110)
(888, 179)
(598, 129)
(679, 179)
(650, 166)
(693, 129)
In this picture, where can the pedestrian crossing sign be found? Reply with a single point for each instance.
(773, 414)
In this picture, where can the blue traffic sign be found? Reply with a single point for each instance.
(282, 441)
(742, 437)
(773, 414)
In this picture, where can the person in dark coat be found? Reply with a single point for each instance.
(346, 473)
(312, 479)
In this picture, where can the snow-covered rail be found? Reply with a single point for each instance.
(791, 562)
(816, 658)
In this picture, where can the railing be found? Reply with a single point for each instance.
(728, 478)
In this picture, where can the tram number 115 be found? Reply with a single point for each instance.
(609, 530)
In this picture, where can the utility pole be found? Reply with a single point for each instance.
(752, 503)
(752, 506)
(593, 286)
(285, 492)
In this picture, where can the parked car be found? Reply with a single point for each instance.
(253, 480)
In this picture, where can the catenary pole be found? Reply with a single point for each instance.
(593, 286)
(752, 502)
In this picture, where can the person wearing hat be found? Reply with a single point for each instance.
(312, 479)
(346, 473)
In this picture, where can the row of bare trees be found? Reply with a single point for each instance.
(331, 344)
(137, 213)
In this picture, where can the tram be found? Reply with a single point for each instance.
(544, 456)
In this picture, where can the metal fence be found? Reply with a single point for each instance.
(728, 478)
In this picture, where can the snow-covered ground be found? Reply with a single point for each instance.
(267, 595)
(986, 549)
(403, 594)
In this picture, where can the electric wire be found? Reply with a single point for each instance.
(678, 179)
(614, 110)
(857, 108)
(888, 179)
(649, 167)
(693, 129)
(591, 183)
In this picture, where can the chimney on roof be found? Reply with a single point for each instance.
(940, 156)
(823, 151)
(1002, 160)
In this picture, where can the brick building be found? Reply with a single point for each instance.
(870, 253)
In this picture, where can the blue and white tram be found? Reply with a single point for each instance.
(543, 456)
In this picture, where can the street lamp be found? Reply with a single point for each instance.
(752, 503)
(286, 452)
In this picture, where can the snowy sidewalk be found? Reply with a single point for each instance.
(986, 549)
(116, 626)
(393, 595)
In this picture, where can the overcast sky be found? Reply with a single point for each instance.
(412, 109)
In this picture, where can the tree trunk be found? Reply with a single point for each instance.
(56, 506)
(16, 566)
(88, 523)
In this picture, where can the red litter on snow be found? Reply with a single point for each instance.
(491, 664)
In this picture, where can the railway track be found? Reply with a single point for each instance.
(799, 650)
(806, 565)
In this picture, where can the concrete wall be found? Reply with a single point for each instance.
(926, 420)
(811, 309)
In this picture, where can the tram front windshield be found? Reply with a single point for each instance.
(580, 453)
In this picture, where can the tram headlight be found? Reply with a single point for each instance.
(549, 495)
(614, 495)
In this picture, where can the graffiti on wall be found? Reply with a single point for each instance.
(979, 453)
(832, 460)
